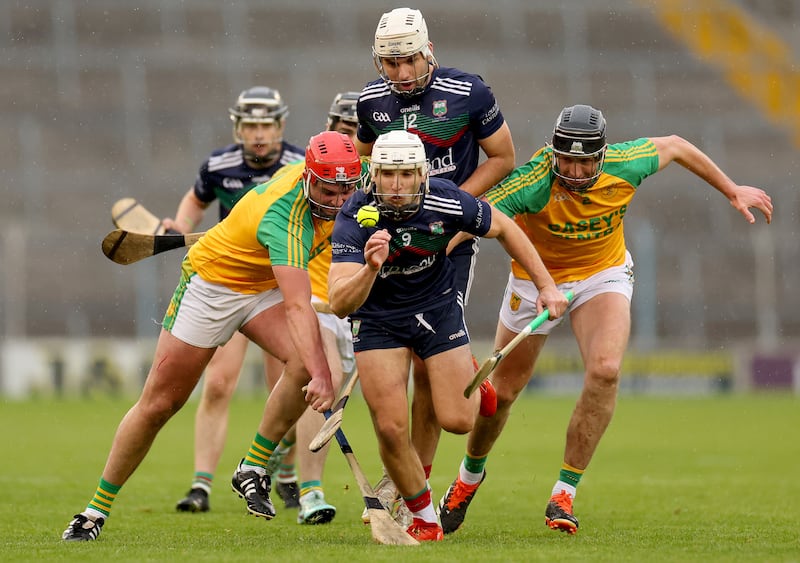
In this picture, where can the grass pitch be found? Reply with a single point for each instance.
(675, 479)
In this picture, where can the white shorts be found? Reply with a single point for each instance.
(344, 338)
(519, 301)
(207, 315)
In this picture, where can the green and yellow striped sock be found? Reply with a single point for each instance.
(260, 451)
(103, 498)
(570, 475)
(308, 486)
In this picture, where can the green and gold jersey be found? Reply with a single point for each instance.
(270, 226)
(576, 234)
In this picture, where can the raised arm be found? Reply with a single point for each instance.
(742, 198)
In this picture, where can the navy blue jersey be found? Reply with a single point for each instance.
(451, 115)
(417, 275)
(226, 176)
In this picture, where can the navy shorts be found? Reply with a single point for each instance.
(426, 334)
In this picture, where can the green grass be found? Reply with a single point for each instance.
(705, 479)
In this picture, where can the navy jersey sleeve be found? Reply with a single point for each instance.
(203, 186)
(485, 115)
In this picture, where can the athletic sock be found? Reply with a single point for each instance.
(260, 451)
(421, 506)
(203, 481)
(310, 486)
(100, 505)
(286, 473)
(570, 475)
(471, 469)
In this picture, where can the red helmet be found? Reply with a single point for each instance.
(331, 157)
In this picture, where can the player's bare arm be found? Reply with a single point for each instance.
(520, 248)
(349, 283)
(500, 160)
(190, 213)
(304, 330)
(742, 198)
(364, 149)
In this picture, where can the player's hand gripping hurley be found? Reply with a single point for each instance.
(334, 417)
(487, 367)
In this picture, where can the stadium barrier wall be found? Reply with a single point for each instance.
(58, 367)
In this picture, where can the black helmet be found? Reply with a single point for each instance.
(580, 131)
(259, 104)
(343, 108)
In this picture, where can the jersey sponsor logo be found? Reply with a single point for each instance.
(232, 183)
(442, 164)
(439, 108)
(457, 335)
(491, 114)
(425, 263)
(381, 117)
(589, 229)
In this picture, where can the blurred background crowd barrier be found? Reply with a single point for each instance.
(103, 100)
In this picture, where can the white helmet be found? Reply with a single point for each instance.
(399, 150)
(402, 33)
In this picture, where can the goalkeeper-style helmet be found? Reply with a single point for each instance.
(343, 108)
(580, 133)
(398, 150)
(402, 33)
(331, 158)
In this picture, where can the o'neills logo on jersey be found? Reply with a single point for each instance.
(341, 175)
(439, 108)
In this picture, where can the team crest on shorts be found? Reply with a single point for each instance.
(514, 302)
(436, 228)
(439, 108)
(354, 327)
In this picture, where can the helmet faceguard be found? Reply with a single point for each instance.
(343, 108)
(580, 132)
(398, 150)
(403, 33)
(259, 104)
(331, 159)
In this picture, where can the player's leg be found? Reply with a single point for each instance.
(509, 379)
(602, 327)
(281, 467)
(384, 382)
(313, 507)
(211, 420)
(284, 406)
(176, 368)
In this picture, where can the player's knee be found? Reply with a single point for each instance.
(458, 422)
(603, 373)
